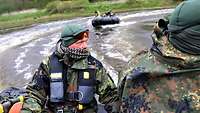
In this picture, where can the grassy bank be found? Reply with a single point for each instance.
(17, 5)
(69, 9)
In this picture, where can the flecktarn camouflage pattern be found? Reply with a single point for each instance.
(161, 80)
(166, 78)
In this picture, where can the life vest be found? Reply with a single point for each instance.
(85, 84)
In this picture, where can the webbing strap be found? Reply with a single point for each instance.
(55, 65)
(57, 80)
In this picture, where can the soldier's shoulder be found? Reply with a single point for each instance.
(93, 60)
(46, 60)
(146, 61)
(48, 57)
(139, 59)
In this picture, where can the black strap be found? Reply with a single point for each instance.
(94, 61)
(55, 65)
(73, 96)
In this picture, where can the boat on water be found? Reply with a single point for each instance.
(106, 19)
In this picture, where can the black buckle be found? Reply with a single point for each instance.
(75, 96)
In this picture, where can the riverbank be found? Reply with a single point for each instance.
(9, 23)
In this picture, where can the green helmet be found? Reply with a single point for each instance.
(186, 14)
(184, 27)
(68, 36)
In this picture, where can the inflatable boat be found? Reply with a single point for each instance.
(105, 20)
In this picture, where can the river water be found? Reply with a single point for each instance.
(22, 51)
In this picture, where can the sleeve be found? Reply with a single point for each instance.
(107, 92)
(37, 90)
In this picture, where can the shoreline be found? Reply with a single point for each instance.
(27, 23)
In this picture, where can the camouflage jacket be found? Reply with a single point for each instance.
(39, 87)
(161, 80)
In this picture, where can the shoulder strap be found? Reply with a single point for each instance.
(57, 80)
(55, 65)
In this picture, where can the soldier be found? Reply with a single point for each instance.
(166, 78)
(68, 80)
(97, 13)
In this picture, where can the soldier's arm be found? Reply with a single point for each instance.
(37, 89)
(107, 91)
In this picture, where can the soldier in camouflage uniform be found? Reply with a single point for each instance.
(166, 78)
(68, 79)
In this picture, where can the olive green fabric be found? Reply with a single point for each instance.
(184, 27)
(161, 79)
(186, 14)
(68, 36)
(38, 88)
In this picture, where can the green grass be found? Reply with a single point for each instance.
(71, 9)
(17, 17)
(16, 5)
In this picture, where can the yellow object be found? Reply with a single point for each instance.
(80, 107)
(1, 108)
(21, 98)
(56, 75)
(86, 75)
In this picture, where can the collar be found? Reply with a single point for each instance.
(169, 51)
(80, 64)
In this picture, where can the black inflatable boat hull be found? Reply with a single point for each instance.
(107, 20)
